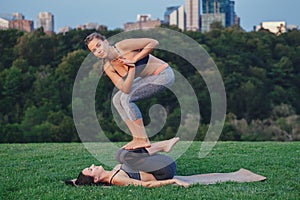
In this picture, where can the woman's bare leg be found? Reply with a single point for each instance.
(162, 146)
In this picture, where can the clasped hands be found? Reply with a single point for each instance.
(125, 61)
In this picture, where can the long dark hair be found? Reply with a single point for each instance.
(81, 180)
(84, 180)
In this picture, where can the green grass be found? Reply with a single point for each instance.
(35, 171)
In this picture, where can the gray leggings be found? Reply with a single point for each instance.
(141, 88)
(162, 167)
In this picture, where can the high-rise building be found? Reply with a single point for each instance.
(175, 15)
(217, 10)
(46, 20)
(22, 25)
(192, 10)
(15, 21)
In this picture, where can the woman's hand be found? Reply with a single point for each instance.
(126, 61)
(181, 183)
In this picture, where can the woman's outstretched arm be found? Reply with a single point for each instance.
(124, 181)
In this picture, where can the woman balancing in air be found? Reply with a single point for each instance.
(138, 167)
(136, 73)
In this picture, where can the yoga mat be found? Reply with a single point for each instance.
(242, 175)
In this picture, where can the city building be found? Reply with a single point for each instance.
(218, 11)
(276, 27)
(143, 17)
(189, 17)
(16, 21)
(64, 29)
(143, 22)
(292, 27)
(4, 20)
(237, 20)
(90, 26)
(46, 20)
(175, 16)
(4, 23)
(22, 25)
(192, 13)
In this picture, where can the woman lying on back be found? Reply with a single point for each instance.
(138, 167)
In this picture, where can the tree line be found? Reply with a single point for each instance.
(260, 72)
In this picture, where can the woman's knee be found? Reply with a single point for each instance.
(124, 99)
(117, 100)
(120, 154)
(131, 157)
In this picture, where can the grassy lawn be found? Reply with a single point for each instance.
(35, 171)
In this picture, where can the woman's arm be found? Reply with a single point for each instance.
(164, 182)
(118, 81)
(145, 45)
(124, 181)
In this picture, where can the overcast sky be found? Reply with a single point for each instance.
(114, 13)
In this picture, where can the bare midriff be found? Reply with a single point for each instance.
(154, 66)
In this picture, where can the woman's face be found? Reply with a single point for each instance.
(94, 171)
(99, 48)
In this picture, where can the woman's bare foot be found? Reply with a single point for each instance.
(137, 143)
(170, 144)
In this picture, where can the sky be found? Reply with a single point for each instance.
(114, 13)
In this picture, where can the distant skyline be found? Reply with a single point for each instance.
(72, 13)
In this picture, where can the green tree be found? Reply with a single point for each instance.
(8, 39)
(66, 73)
(11, 92)
(37, 48)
